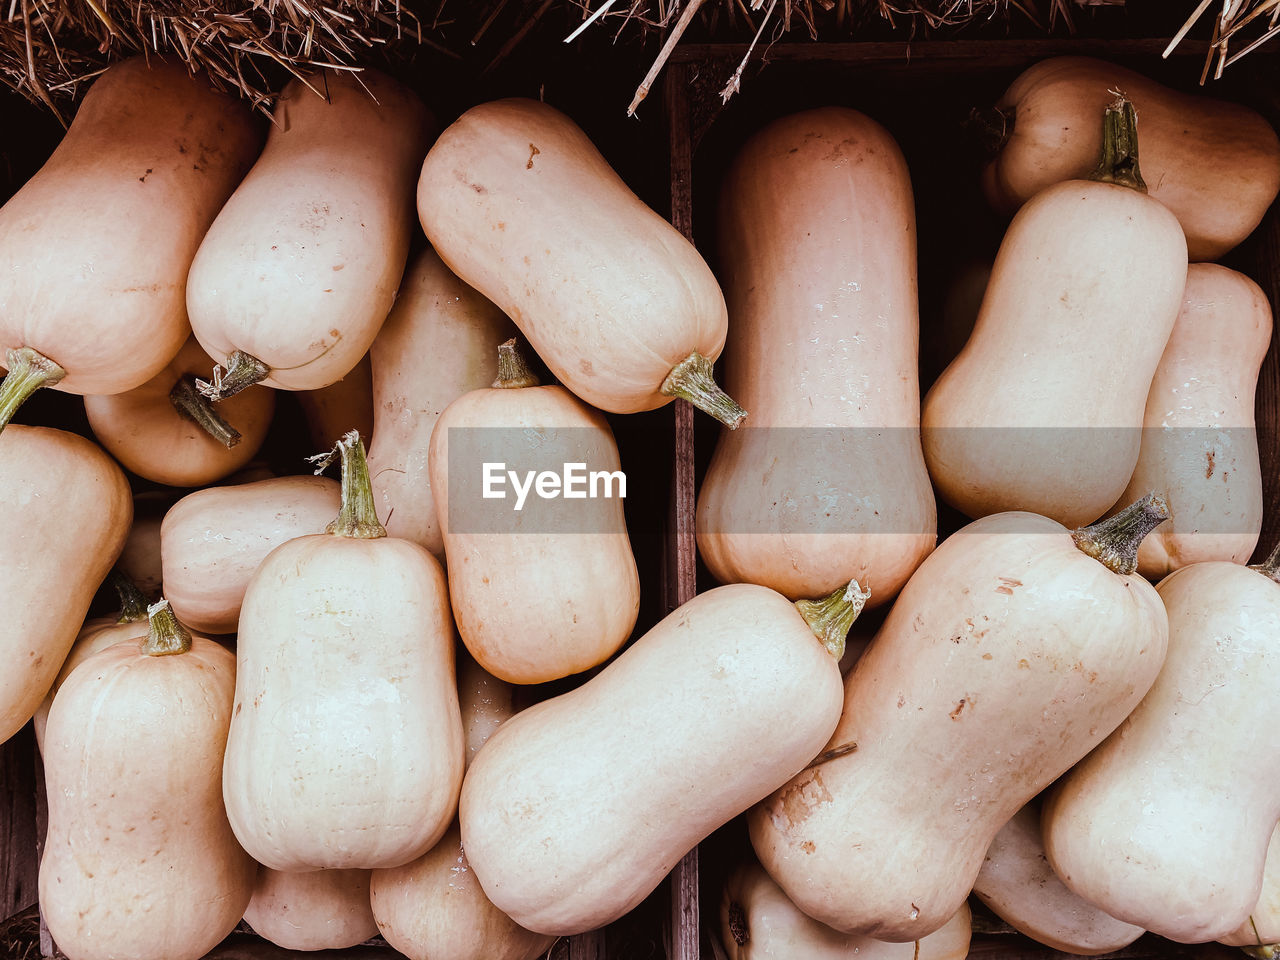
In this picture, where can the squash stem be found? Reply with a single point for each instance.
(1269, 567)
(1114, 542)
(1119, 163)
(133, 605)
(358, 517)
(167, 636)
(513, 371)
(738, 924)
(195, 406)
(242, 371)
(692, 379)
(1265, 951)
(992, 128)
(28, 372)
(831, 617)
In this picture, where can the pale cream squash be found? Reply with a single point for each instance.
(827, 481)
(437, 344)
(315, 910)
(1166, 825)
(346, 745)
(98, 243)
(1010, 653)
(521, 205)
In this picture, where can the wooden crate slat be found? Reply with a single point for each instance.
(19, 861)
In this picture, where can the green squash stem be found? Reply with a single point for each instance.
(241, 372)
(28, 372)
(1119, 163)
(692, 379)
(1263, 951)
(358, 518)
(1114, 542)
(513, 370)
(195, 406)
(133, 605)
(831, 617)
(167, 636)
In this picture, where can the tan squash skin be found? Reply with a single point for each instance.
(1047, 356)
(212, 541)
(755, 909)
(144, 431)
(547, 603)
(437, 344)
(65, 510)
(578, 806)
(1008, 656)
(827, 481)
(1166, 824)
(140, 862)
(153, 148)
(302, 264)
(1215, 164)
(1263, 925)
(346, 745)
(434, 908)
(97, 634)
(140, 558)
(346, 404)
(520, 205)
(1199, 446)
(1017, 884)
(317, 910)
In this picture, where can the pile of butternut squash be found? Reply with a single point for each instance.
(1064, 709)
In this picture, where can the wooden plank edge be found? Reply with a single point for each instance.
(873, 51)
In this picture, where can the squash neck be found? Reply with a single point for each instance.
(133, 605)
(358, 517)
(1114, 542)
(1119, 163)
(513, 369)
(28, 372)
(831, 617)
(196, 407)
(242, 371)
(693, 379)
(166, 636)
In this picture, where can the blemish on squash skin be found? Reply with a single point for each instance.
(1208, 470)
(1007, 585)
(955, 714)
(533, 152)
(797, 802)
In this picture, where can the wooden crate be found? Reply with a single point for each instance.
(922, 93)
(673, 445)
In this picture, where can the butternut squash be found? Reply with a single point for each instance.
(828, 481)
(86, 304)
(297, 274)
(540, 589)
(139, 860)
(1260, 933)
(577, 807)
(213, 541)
(1166, 824)
(437, 344)
(342, 406)
(758, 922)
(1017, 884)
(345, 748)
(96, 634)
(166, 432)
(521, 205)
(434, 908)
(1010, 653)
(1199, 443)
(65, 511)
(316, 910)
(1215, 164)
(1042, 409)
